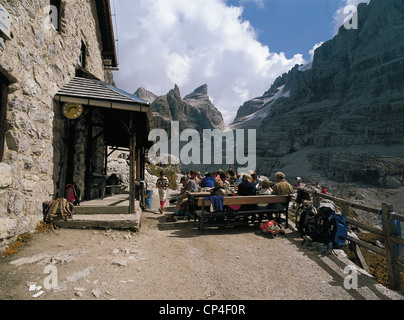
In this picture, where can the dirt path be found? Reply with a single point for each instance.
(170, 261)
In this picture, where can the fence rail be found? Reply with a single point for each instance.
(389, 231)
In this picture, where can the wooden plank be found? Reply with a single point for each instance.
(399, 264)
(318, 195)
(363, 225)
(368, 246)
(364, 208)
(398, 217)
(398, 240)
(359, 254)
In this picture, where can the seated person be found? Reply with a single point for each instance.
(281, 187)
(208, 181)
(219, 189)
(232, 178)
(246, 187)
(238, 179)
(183, 181)
(265, 190)
(191, 186)
(223, 178)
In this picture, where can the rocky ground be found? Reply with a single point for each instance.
(170, 261)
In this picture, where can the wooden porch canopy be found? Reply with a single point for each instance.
(128, 120)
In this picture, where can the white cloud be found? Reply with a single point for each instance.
(311, 52)
(190, 43)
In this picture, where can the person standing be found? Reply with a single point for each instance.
(162, 185)
(298, 182)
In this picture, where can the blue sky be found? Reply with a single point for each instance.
(291, 26)
(236, 47)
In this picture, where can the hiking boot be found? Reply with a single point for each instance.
(161, 211)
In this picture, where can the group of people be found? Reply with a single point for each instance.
(222, 183)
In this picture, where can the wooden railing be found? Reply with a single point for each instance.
(392, 240)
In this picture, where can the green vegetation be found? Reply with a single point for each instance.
(169, 173)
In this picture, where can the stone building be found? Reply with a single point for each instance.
(54, 55)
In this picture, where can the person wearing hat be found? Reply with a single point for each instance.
(298, 182)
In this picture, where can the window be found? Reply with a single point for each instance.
(54, 13)
(3, 112)
(83, 51)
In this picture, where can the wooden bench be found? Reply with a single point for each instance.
(99, 182)
(115, 188)
(278, 206)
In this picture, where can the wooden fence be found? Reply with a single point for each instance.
(389, 231)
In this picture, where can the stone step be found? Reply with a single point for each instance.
(90, 210)
(100, 221)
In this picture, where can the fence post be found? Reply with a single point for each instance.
(316, 200)
(344, 210)
(389, 230)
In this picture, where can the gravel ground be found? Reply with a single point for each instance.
(170, 261)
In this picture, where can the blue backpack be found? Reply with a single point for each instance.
(329, 228)
(338, 231)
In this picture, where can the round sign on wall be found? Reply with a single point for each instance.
(72, 110)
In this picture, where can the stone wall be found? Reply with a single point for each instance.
(38, 61)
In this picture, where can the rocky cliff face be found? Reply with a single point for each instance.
(195, 111)
(347, 109)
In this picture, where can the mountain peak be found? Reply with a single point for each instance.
(144, 94)
(203, 89)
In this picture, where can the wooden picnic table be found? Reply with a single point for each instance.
(243, 201)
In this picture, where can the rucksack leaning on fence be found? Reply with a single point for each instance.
(324, 226)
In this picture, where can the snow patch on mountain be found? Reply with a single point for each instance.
(254, 120)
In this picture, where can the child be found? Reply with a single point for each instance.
(162, 185)
(265, 190)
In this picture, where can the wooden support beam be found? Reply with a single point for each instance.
(132, 162)
(138, 164)
(390, 231)
(358, 252)
(89, 155)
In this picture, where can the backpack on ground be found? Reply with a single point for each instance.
(306, 212)
(328, 228)
(338, 231)
(72, 193)
(272, 227)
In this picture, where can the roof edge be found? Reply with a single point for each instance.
(107, 31)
